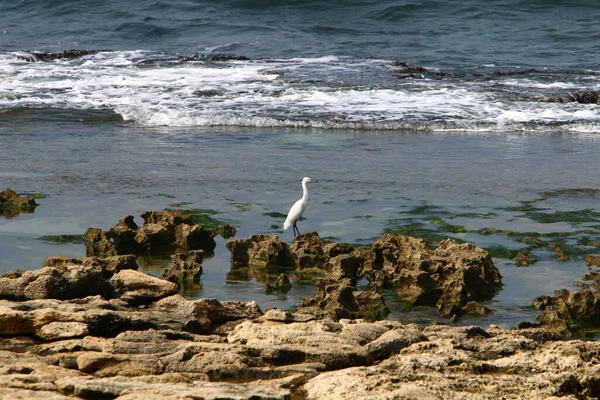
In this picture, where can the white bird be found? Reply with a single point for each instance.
(298, 208)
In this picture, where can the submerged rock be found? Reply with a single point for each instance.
(585, 97)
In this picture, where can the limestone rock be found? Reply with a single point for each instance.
(136, 287)
(185, 266)
(260, 250)
(448, 276)
(313, 252)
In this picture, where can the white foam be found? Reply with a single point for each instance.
(326, 92)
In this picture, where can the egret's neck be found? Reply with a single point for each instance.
(304, 191)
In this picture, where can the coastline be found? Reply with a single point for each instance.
(96, 327)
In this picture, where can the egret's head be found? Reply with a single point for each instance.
(306, 179)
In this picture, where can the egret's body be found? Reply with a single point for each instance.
(297, 209)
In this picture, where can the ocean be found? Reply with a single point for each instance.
(474, 120)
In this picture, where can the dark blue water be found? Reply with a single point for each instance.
(457, 34)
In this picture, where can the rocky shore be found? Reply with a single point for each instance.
(97, 328)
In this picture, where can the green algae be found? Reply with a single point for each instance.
(572, 217)
(275, 214)
(203, 216)
(36, 196)
(165, 195)
(62, 238)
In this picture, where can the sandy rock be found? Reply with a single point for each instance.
(314, 342)
(137, 287)
(127, 389)
(392, 342)
(63, 330)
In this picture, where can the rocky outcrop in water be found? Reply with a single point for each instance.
(11, 204)
(586, 97)
(453, 277)
(162, 232)
(185, 267)
(63, 55)
(568, 308)
(450, 276)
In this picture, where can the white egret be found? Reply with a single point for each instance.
(298, 208)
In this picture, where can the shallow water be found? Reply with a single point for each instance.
(96, 172)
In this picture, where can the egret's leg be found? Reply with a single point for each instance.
(295, 229)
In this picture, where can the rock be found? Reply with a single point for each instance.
(194, 237)
(63, 330)
(162, 232)
(566, 308)
(448, 276)
(65, 278)
(313, 252)
(585, 97)
(154, 238)
(185, 266)
(228, 231)
(260, 250)
(310, 342)
(338, 299)
(391, 342)
(592, 260)
(175, 348)
(11, 204)
(137, 288)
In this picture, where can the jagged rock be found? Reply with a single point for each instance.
(567, 307)
(592, 260)
(339, 298)
(313, 252)
(228, 231)
(162, 232)
(185, 266)
(448, 276)
(12, 204)
(260, 250)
